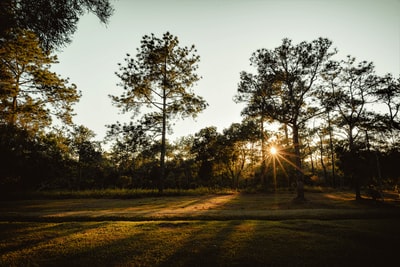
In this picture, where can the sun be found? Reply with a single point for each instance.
(273, 150)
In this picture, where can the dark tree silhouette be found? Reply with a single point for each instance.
(351, 87)
(388, 93)
(205, 149)
(234, 151)
(53, 21)
(161, 80)
(284, 87)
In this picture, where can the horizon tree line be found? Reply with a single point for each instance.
(331, 131)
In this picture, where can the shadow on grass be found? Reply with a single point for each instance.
(234, 230)
(205, 243)
(24, 244)
(146, 244)
(203, 247)
(339, 205)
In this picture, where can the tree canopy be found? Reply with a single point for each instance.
(342, 117)
(53, 21)
(30, 93)
(160, 79)
(284, 87)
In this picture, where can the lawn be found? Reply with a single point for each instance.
(330, 229)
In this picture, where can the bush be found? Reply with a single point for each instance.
(117, 193)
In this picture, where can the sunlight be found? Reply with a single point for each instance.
(141, 208)
(276, 159)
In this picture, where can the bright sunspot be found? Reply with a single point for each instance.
(273, 150)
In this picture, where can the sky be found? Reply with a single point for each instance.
(225, 33)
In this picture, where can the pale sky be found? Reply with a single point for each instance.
(225, 33)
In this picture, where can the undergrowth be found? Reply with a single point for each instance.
(116, 193)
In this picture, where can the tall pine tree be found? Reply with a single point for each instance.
(159, 82)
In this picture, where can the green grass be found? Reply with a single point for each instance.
(337, 205)
(201, 243)
(330, 229)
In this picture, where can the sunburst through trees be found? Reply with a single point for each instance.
(276, 157)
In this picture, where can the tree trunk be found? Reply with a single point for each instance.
(264, 165)
(311, 158)
(163, 136)
(331, 151)
(299, 173)
(356, 177)
(285, 128)
(321, 151)
(162, 156)
(14, 111)
(13, 118)
(274, 172)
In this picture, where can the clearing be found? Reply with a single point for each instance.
(330, 229)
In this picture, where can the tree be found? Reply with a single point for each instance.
(184, 163)
(234, 149)
(88, 153)
(351, 86)
(205, 150)
(53, 21)
(329, 117)
(30, 94)
(32, 161)
(160, 80)
(284, 87)
(388, 93)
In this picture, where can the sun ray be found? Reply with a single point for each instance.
(280, 155)
(283, 168)
(290, 163)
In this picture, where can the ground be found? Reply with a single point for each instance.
(329, 229)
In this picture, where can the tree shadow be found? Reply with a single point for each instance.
(201, 248)
(141, 247)
(22, 236)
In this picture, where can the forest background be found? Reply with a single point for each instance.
(309, 115)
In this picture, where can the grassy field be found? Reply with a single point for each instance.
(330, 229)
